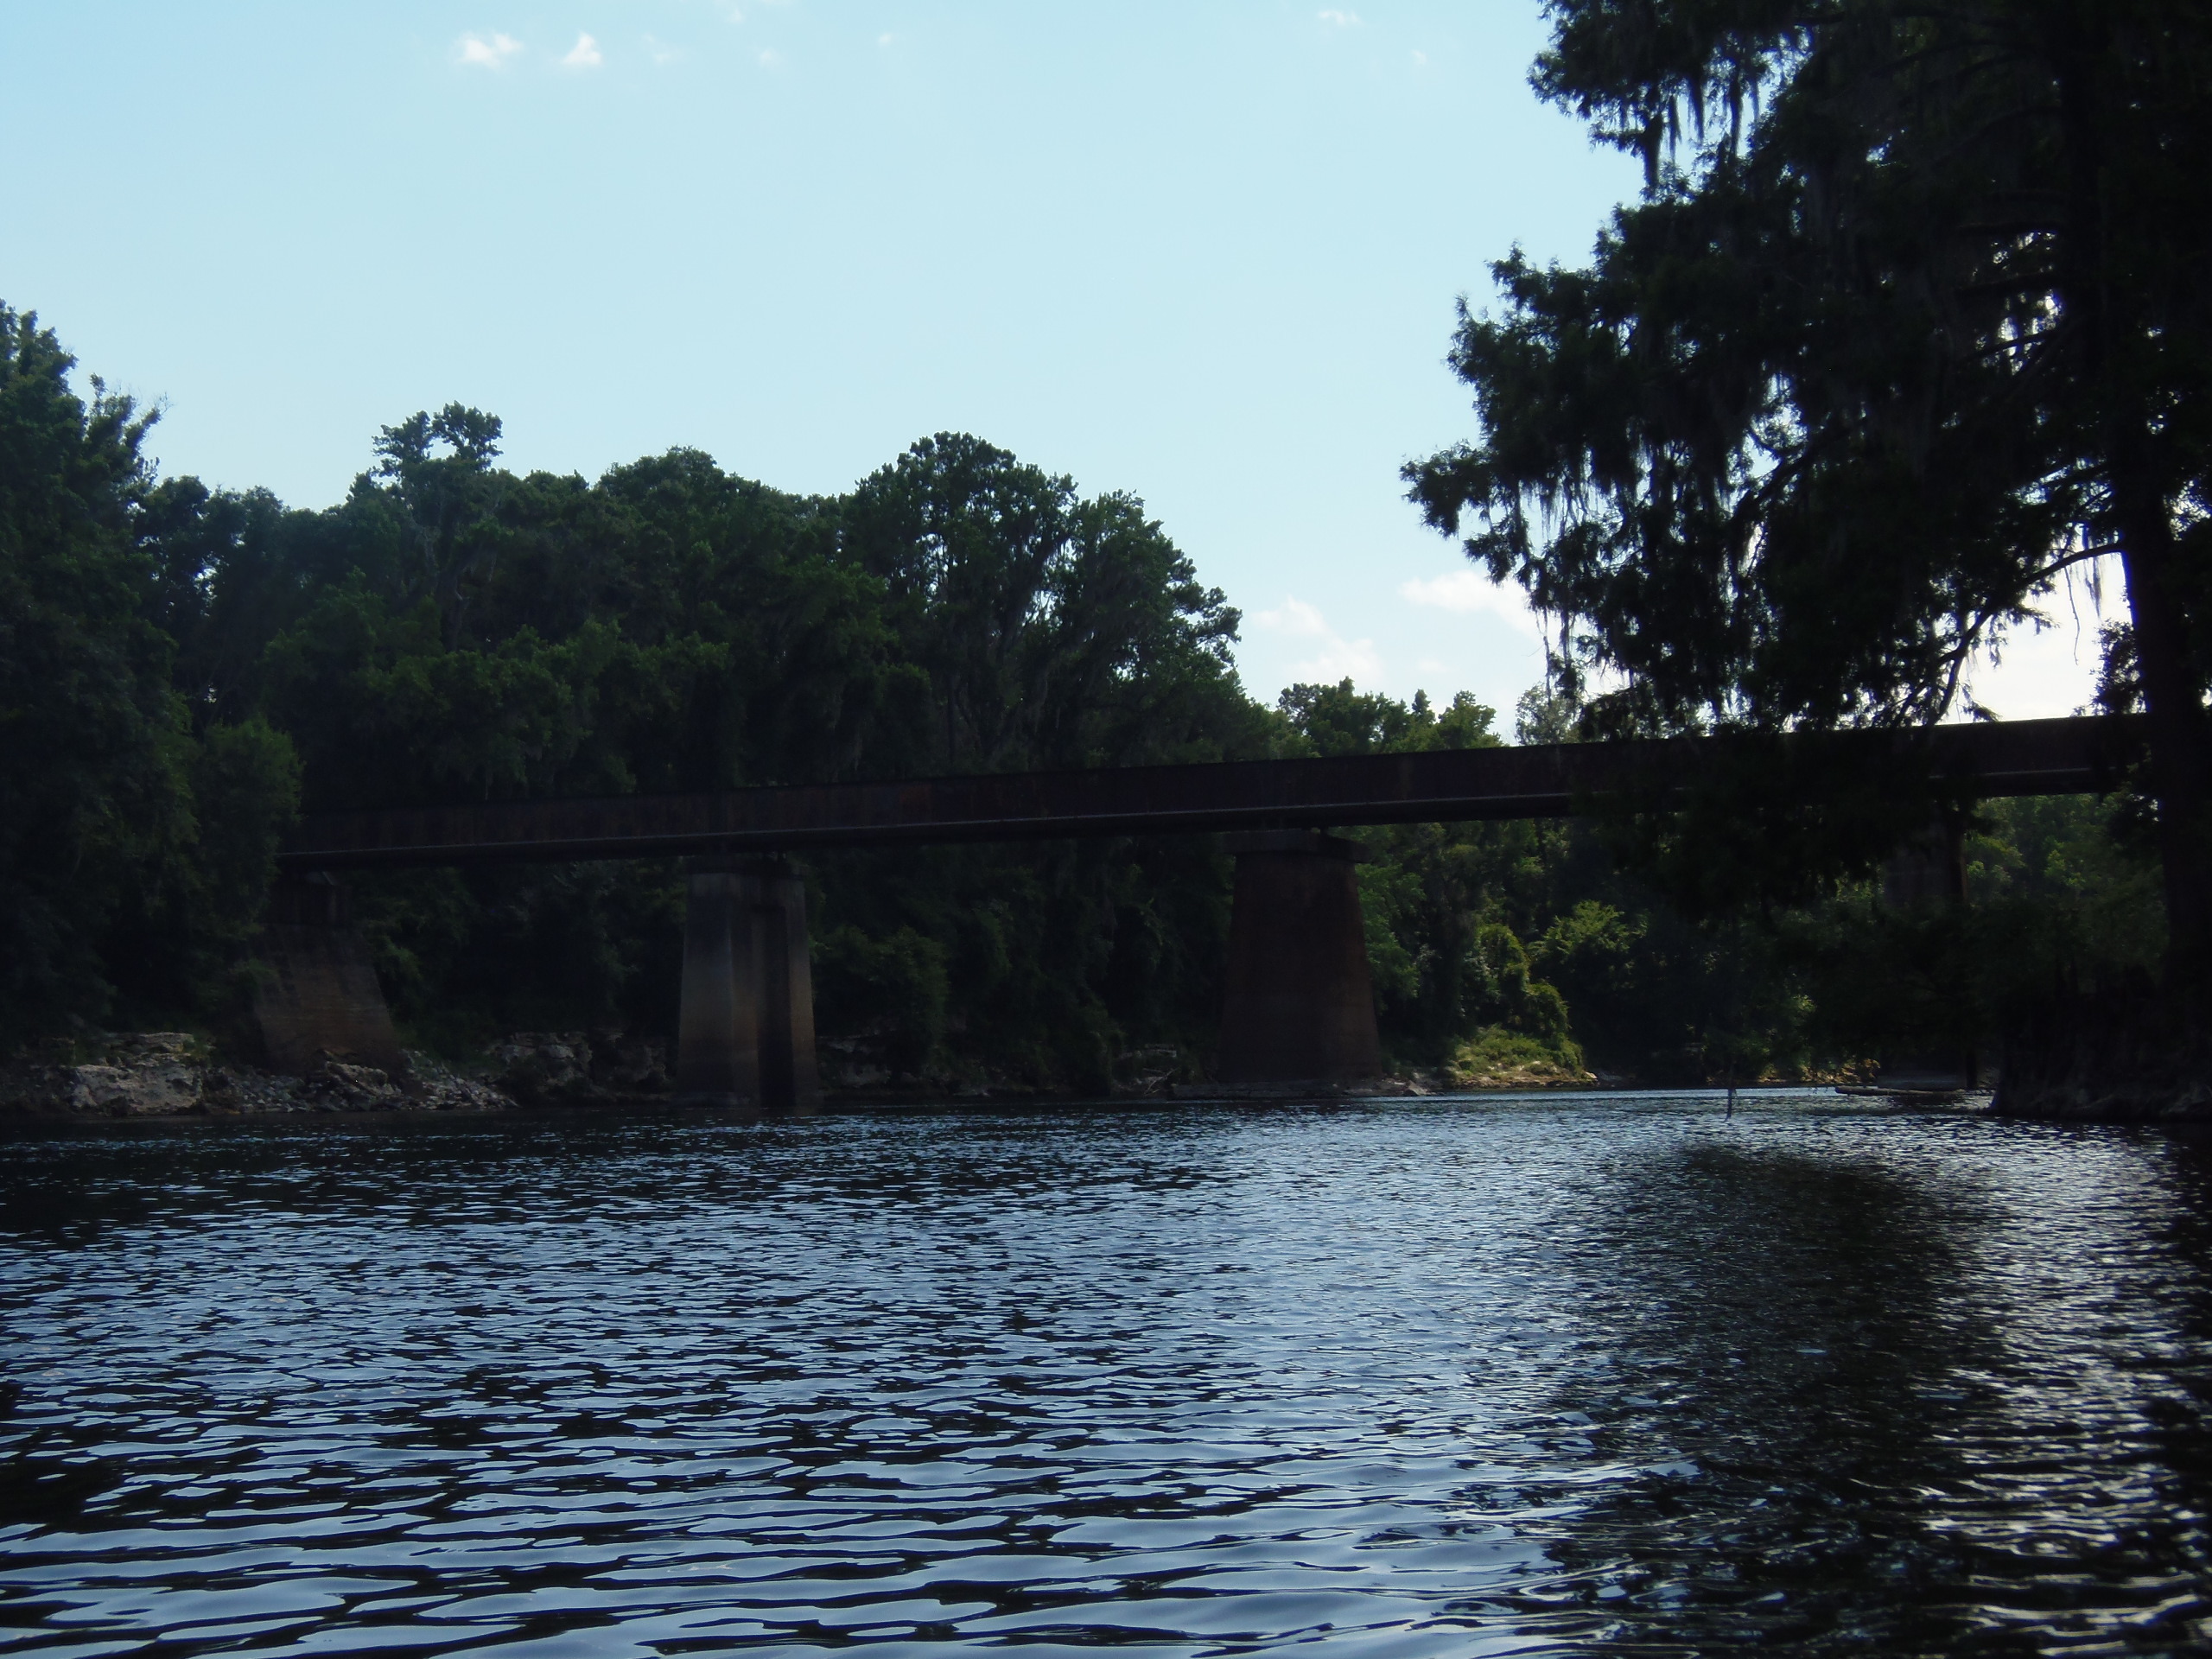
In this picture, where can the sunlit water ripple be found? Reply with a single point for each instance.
(1577, 1374)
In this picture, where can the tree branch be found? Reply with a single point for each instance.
(2079, 555)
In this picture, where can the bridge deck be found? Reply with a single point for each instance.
(2039, 757)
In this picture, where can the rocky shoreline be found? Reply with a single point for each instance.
(169, 1074)
(173, 1074)
(157, 1075)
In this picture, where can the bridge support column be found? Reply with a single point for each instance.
(320, 994)
(1928, 869)
(1930, 872)
(745, 1033)
(1300, 1006)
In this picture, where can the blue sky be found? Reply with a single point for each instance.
(1206, 253)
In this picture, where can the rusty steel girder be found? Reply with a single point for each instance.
(2028, 757)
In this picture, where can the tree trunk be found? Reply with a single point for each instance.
(2177, 729)
(2116, 360)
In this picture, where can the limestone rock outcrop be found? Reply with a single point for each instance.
(171, 1074)
(148, 1074)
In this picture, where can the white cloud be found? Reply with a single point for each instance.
(1338, 19)
(660, 52)
(884, 39)
(485, 51)
(584, 54)
(771, 59)
(1420, 58)
(1334, 657)
(1469, 592)
(1295, 618)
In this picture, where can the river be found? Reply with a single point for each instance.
(1575, 1375)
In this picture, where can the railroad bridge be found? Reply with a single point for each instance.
(1298, 1004)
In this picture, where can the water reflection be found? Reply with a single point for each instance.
(1792, 1335)
(1552, 1377)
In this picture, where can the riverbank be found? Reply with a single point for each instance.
(153, 1074)
(156, 1074)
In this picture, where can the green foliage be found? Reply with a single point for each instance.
(1339, 720)
(2074, 866)
(896, 989)
(1052, 630)
(2057, 901)
(134, 850)
(90, 791)
(1499, 935)
(1440, 901)
(389, 714)
(1497, 1057)
(206, 662)
(1822, 413)
(1914, 314)
(182, 670)
(174, 942)
(245, 786)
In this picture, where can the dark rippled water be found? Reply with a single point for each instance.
(1568, 1375)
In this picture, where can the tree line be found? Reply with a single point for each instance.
(183, 671)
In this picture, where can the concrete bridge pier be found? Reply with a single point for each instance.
(1300, 1006)
(1930, 872)
(744, 1036)
(320, 993)
(1930, 868)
